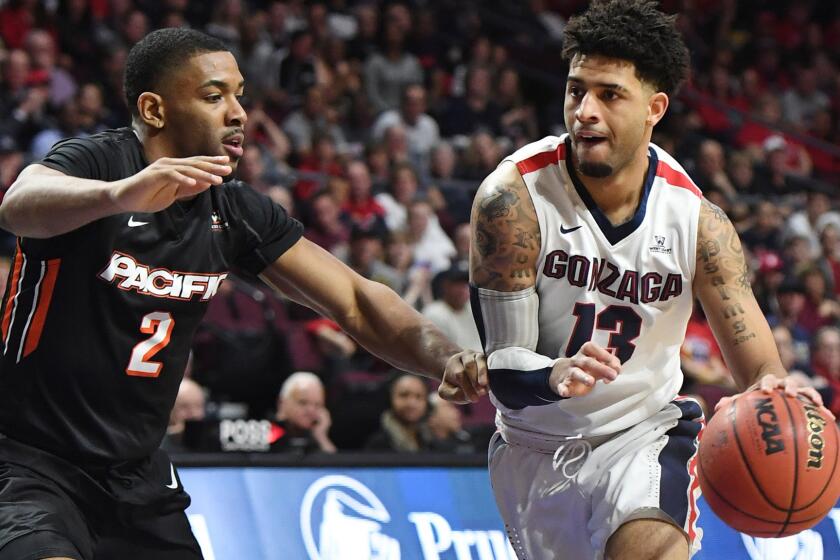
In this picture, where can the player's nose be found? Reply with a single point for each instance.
(588, 109)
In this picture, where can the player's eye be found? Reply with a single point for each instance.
(575, 92)
(213, 98)
(609, 95)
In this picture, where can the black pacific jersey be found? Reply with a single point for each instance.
(97, 323)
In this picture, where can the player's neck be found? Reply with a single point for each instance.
(618, 195)
(155, 143)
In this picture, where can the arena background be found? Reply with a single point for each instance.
(373, 123)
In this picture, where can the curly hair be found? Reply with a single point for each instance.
(632, 30)
(159, 53)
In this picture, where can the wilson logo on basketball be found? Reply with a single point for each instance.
(127, 274)
(816, 442)
(769, 422)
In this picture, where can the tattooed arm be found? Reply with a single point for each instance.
(722, 284)
(503, 272)
(505, 233)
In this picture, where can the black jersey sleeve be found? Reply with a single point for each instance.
(79, 157)
(268, 229)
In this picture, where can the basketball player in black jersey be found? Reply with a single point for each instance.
(123, 238)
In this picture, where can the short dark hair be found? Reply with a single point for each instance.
(632, 30)
(160, 52)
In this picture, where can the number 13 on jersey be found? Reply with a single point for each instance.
(159, 324)
(621, 321)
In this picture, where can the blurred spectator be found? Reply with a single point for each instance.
(829, 261)
(41, 49)
(816, 216)
(326, 226)
(461, 238)
(189, 406)
(403, 189)
(431, 247)
(292, 70)
(820, 308)
(765, 232)
(755, 132)
(322, 160)
(700, 356)
(365, 257)
(742, 174)
(801, 103)
(791, 303)
(403, 428)
(361, 207)
(416, 279)
(711, 169)
(451, 312)
(446, 427)
(302, 417)
(476, 110)
(482, 156)
(518, 120)
(11, 161)
(390, 71)
(421, 130)
(315, 117)
(826, 362)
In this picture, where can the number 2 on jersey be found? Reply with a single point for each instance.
(622, 322)
(159, 324)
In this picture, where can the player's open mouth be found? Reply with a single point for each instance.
(587, 138)
(233, 145)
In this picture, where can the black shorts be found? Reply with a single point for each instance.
(50, 507)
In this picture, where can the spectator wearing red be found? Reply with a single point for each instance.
(362, 209)
(826, 362)
(323, 159)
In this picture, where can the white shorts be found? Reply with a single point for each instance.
(565, 502)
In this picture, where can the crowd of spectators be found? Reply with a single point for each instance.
(373, 122)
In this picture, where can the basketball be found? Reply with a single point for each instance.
(768, 464)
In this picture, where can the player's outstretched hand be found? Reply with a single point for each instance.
(789, 384)
(576, 376)
(169, 179)
(465, 378)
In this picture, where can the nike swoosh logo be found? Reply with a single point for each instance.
(174, 481)
(132, 223)
(570, 230)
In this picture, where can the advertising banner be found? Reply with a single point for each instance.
(405, 513)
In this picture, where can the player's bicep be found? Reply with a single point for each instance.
(722, 284)
(505, 233)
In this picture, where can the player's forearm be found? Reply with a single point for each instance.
(397, 333)
(40, 205)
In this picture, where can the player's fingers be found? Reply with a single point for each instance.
(723, 402)
(601, 354)
(595, 368)
(481, 366)
(449, 392)
(220, 169)
(461, 378)
(200, 175)
(770, 382)
(812, 394)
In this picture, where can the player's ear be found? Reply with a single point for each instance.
(657, 105)
(150, 108)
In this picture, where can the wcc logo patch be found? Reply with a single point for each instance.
(216, 223)
(659, 245)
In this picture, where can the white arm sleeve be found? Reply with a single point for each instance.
(509, 326)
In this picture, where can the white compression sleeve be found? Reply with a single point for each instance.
(509, 327)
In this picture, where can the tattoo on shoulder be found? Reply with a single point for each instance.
(506, 239)
(721, 258)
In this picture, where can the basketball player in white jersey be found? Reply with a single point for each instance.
(587, 253)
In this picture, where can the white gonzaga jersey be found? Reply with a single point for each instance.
(627, 288)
